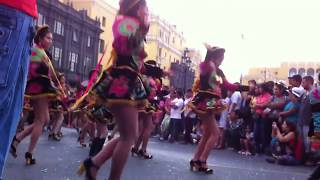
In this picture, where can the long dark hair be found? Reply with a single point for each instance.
(293, 128)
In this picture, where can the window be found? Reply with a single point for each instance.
(302, 72)
(41, 19)
(160, 52)
(310, 72)
(57, 55)
(104, 21)
(75, 36)
(173, 40)
(292, 71)
(58, 28)
(101, 46)
(161, 34)
(86, 64)
(73, 59)
(89, 41)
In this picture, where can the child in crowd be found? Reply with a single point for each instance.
(233, 133)
(246, 142)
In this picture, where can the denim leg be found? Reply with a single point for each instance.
(16, 33)
(257, 134)
(174, 130)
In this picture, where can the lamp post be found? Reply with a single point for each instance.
(186, 64)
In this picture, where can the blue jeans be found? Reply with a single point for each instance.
(175, 128)
(16, 35)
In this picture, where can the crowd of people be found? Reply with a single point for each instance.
(124, 103)
(271, 118)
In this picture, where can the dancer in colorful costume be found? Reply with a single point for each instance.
(121, 88)
(40, 90)
(153, 75)
(207, 103)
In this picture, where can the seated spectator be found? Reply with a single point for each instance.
(247, 142)
(235, 130)
(286, 144)
(273, 108)
(291, 110)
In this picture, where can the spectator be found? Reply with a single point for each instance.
(16, 24)
(295, 81)
(305, 115)
(223, 122)
(277, 102)
(175, 116)
(235, 101)
(260, 123)
(189, 118)
(233, 133)
(165, 125)
(315, 108)
(274, 107)
(246, 142)
(291, 110)
(286, 144)
(252, 87)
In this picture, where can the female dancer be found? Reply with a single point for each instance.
(207, 102)
(121, 87)
(151, 112)
(39, 89)
(59, 107)
(100, 116)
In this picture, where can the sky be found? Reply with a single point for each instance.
(255, 33)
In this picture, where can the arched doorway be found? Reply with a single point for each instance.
(302, 72)
(292, 72)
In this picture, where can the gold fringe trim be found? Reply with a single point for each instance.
(140, 104)
(208, 109)
(50, 95)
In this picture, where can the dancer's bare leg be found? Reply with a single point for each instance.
(58, 123)
(127, 118)
(204, 138)
(119, 148)
(41, 112)
(147, 132)
(213, 131)
(141, 129)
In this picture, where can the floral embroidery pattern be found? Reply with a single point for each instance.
(119, 86)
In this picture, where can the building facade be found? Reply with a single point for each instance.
(285, 70)
(105, 14)
(165, 43)
(75, 38)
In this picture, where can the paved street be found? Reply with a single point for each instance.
(59, 161)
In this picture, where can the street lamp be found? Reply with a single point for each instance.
(186, 61)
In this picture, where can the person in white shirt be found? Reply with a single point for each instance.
(189, 118)
(175, 116)
(223, 121)
(235, 101)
